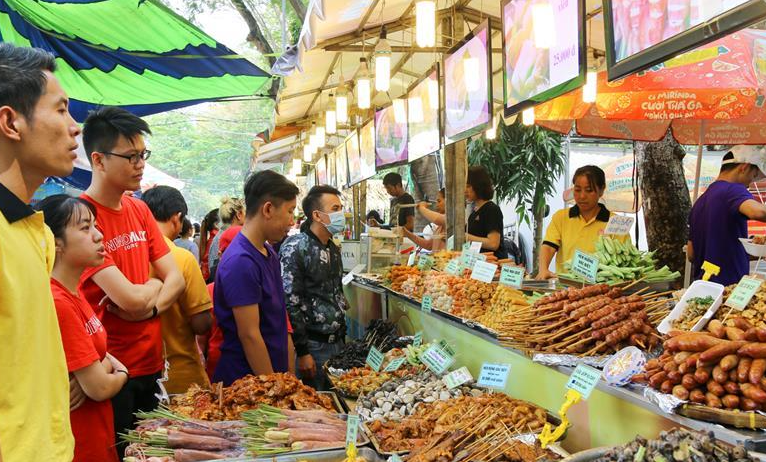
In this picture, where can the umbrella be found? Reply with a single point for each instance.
(136, 54)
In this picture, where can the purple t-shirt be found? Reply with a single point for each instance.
(715, 226)
(246, 277)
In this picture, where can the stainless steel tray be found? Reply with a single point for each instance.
(335, 401)
(335, 455)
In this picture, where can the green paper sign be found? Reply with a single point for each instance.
(483, 271)
(742, 294)
(453, 267)
(425, 263)
(418, 340)
(427, 303)
(411, 259)
(583, 380)
(585, 265)
(457, 378)
(352, 427)
(446, 348)
(375, 359)
(512, 276)
(467, 247)
(494, 375)
(436, 359)
(394, 365)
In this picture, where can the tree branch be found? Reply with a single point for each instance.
(300, 10)
(255, 36)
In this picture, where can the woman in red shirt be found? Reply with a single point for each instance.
(101, 376)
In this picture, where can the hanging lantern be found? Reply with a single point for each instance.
(382, 55)
(363, 86)
(330, 118)
(425, 23)
(308, 154)
(590, 90)
(400, 111)
(491, 132)
(321, 136)
(297, 166)
(528, 116)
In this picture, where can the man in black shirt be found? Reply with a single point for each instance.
(399, 216)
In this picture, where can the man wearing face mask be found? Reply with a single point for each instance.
(719, 217)
(312, 270)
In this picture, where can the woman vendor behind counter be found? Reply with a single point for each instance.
(485, 224)
(577, 227)
(436, 241)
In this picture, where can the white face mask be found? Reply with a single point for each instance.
(337, 222)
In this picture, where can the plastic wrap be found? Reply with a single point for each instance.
(668, 403)
(570, 360)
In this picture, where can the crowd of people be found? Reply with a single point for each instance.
(106, 299)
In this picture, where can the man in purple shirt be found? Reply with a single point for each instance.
(719, 217)
(249, 299)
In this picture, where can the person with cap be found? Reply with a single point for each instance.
(719, 217)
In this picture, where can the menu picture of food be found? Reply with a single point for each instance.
(341, 166)
(354, 158)
(367, 149)
(423, 115)
(321, 170)
(530, 71)
(641, 24)
(467, 89)
(390, 138)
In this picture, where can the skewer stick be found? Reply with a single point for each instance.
(633, 283)
(594, 349)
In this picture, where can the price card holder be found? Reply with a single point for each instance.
(743, 293)
(375, 359)
(466, 260)
(411, 259)
(583, 380)
(394, 365)
(483, 271)
(494, 375)
(427, 303)
(352, 428)
(418, 339)
(453, 267)
(457, 378)
(512, 276)
(451, 243)
(476, 247)
(585, 265)
(619, 225)
(347, 279)
(436, 359)
(425, 263)
(580, 385)
(467, 247)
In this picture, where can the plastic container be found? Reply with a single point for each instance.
(756, 250)
(696, 289)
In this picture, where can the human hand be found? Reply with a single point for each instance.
(129, 316)
(76, 394)
(115, 363)
(307, 367)
(545, 274)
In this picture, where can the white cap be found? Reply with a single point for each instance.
(753, 155)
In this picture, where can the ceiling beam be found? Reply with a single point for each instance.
(366, 16)
(324, 82)
(475, 16)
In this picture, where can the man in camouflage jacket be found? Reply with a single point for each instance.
(312, 270)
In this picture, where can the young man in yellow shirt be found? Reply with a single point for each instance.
(37, 140)
(190, 315)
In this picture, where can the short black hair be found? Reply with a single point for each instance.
(186, 226)
(60, 209)
(596, 177)
(104, 126)
(314, 197)
(392, 179)
(164, 202)
(22, 77)
(481, 182)
(267, 186)
(374, 214)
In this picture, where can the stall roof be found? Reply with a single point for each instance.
(336, 33)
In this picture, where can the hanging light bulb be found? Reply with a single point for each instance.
(528, 116)
(471, 74)
(425, 23)
(363, 85)
(308, 155)
(491, 132)
(400, 111)
(590, 90)
(297, 166)
(321, 136)
(415, 109)
(543, 25)
(341, 103)
(382, 62)
(433, 93)
(330, 119)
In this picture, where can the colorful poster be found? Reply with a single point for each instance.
(341, 166)
(367, 149)
(322, 170)
(641, 24)
(354, 158)
(467, 89)
(423, 117)
(530, 71)
(390, 138)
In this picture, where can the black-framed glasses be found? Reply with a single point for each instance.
(133, 158)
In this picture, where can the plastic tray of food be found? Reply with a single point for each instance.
(698, 289)
(334, 455)
(753, 247)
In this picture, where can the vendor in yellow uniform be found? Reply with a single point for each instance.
(577, 227)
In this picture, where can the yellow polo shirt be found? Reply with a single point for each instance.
(34, 383)
(569, 231)
(180, 345)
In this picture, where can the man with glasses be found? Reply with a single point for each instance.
(121, 290)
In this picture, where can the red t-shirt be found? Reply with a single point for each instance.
(84, 340)
(132, 241)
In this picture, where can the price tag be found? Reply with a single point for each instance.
(467, 247)
(425, 263)
(742, 294)
(411, 259)
(583, 380)
(457, 378)
(453, 267)
(476, 247)
(512, 276)
(394, 458)
(436, 359)
(418, 340)
(585, 266)
(352, 427)
(494, 375)
(347, 279)
(619, 225)
(394, 365)
(427, 303)
(483, 271)
(446, 348)
(375, 359)
(450, 242)
(466, 259)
